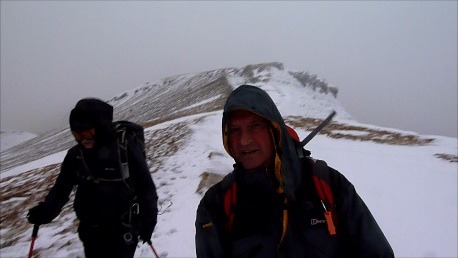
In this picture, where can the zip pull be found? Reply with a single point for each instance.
(329, 220)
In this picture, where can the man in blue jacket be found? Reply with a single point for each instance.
(270, 206)
(114, 207)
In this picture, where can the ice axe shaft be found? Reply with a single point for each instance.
(34, 237)
(318, 129)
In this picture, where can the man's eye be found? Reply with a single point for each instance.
(257, 127)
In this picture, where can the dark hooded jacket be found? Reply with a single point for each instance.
(287, 220)
(102, 197)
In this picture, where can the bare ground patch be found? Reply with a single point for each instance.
(207, 180)
(448, 157)
(18, 195)
(358, 133)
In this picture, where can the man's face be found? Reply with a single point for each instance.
(250, 140)
(85, 137)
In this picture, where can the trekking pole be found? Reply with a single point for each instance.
(318, 129)
(34, 237)
(152, 248)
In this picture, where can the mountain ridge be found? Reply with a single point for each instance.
(180, 95)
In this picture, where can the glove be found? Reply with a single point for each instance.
(41, 214)
(146, 230)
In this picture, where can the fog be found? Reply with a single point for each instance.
(395, 63)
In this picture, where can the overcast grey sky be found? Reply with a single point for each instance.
(395, 63)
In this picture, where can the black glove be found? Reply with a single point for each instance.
(42, 214)
(146, 230)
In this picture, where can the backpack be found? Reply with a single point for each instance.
(124, 129)
(320, 177)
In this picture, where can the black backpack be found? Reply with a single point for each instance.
(122, 130)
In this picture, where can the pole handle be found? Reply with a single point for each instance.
(35, 230)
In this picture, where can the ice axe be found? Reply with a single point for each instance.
(34, 237)
(318, 129)
(301, 152)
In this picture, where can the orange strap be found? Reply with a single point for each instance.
(325, 194)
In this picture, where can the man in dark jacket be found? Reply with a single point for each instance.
(114, 206)
(268, 206)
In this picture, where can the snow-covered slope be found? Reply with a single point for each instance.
(188, 94)
(407, 180)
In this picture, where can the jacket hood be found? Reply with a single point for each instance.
(94, 113)
(287, 163)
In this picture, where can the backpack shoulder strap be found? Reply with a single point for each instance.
(230, 199)
(320, 177)
(121, 139)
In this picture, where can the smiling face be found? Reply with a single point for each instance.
(85, 137)
(250, 140)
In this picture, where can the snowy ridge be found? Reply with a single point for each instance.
(298, 97)
(180, 95)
